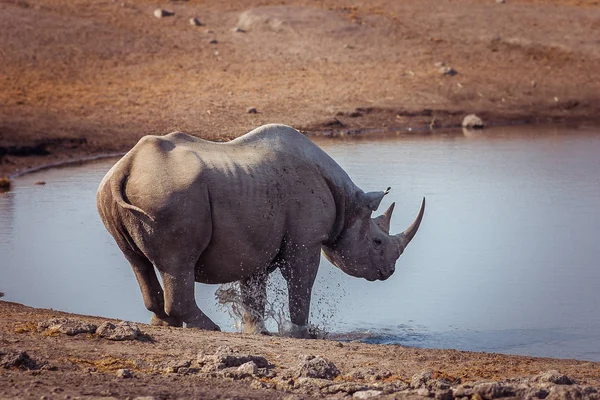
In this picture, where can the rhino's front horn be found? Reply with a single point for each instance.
(405, 237)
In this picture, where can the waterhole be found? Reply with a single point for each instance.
(506, 259)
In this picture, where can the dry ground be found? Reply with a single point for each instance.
(86, 77)
(86, 365)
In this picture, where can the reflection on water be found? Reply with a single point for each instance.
(505, 260)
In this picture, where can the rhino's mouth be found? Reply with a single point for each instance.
(385, 274)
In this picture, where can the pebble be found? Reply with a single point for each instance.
(421, 379)
(160, 13)
(195, 21)
(249, 368)
(366, 394)
(124, 373)
(472, 121)
(213, 41)
(445, 70)
(238, 30)
(251, 110)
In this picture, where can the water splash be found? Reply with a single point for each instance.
(277, 318)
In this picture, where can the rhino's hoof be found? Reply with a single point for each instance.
(255, 328)
(205, 325)
(290, 329)
(166, 321)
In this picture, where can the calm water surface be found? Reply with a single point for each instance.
(506, 260)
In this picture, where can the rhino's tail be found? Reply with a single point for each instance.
(117, 185)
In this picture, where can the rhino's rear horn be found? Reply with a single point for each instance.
(384, 219)
(405, 237)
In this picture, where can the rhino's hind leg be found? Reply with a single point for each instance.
(152, 292)
(254, 297)
(180, 301)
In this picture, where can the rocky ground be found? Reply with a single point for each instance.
(48, 354)
(86, 77)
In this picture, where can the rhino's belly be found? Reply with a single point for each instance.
(223, 264)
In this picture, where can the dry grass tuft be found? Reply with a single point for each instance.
(27, 327)
(4, 184)
(106, 364)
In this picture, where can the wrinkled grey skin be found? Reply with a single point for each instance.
(201, 211)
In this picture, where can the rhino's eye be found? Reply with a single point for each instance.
(377, 242)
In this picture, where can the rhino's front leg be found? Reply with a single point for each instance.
(300, 271)
(254, 297)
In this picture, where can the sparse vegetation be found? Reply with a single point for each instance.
(4, 184)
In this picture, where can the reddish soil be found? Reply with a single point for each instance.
(82, 78)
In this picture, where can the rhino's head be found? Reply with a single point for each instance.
(365, 248)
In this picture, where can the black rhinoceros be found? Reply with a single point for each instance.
(201, 211)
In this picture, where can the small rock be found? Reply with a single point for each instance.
(423, 392)
(225, 357)
(124, 373)
(500, 1)
(160, 13)
(1, 294)
(122, 331)
(251, 110)
(493, 390)
(237, 29)
(249, 368)
(445, 70)
(40, 183)
(440, 64)
(346, 387)
(443, 395)
(316, 367)
(67, 326)
(195, 21)
(311, 383)
(472, 121)
(16, 359)
(420, 379)
(553, 376)
(366, 394)
(213, 41)
(174, 367)
(567, 393)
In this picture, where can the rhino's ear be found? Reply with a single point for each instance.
(371, 200)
